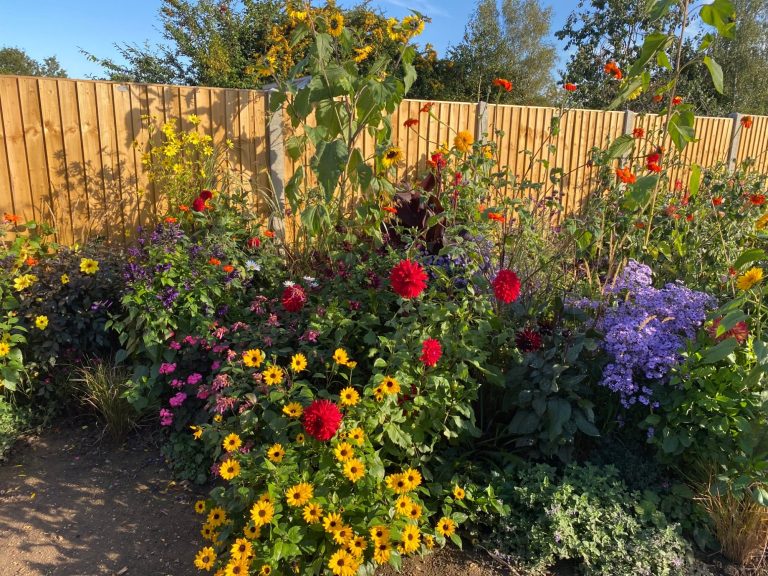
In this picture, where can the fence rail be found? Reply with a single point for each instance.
(70, 151)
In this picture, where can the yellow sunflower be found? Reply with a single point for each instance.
(414, 512)
(463, 141)
(230, 469)
(242, 548)
(41, 322)
(412, 478)
(402, 505)
(299, 494)
(216, 517)
(293, 410)
(343, 535)
(232, 442)
(276, 453)
(356, 435)
(342, 563)
(446, 527)
(200, 506)
(262, 513)
(344, 452)
(5, 349)
(253, 358)
(332, 522)
(379, 533)
(357, 545)
(458, 493)
(88, 266)
(354, 470)
(64, 278)
(397, 483)
(392, 156)
(237, 567)
(205, 558)
(381, 552)
(390, 386)
(336, 24)
(298, 363)
(312, 513)
(362, 53)
(252, 532)
(749, 278)
(413, 25)
(266, 570)
(207, 532)
(411, 538)
(340, 356)
(349, 396)
(273, 375)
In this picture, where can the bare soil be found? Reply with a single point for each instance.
(71, 505)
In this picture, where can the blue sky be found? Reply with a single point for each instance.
(55, 27)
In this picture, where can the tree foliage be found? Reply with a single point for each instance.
(17, 61)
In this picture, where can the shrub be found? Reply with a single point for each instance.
(103, 387)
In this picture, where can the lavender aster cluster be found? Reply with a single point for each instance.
(646, 330)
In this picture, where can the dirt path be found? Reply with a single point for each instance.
(70, 506)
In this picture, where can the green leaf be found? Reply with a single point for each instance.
(761, 351)
(662, 60)
(721, 15)
(559, 411)
(621, 146)
(750, 255)
(681, 128)
(332, 158)
(629, 88)
(716, 72)
(719, 351)
(659, 9)
(456, 540)
(292, 188)
(640, 191)
(695, 181)
(651, 45)
(730, 320)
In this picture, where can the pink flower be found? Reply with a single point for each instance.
(177, 400)
(167, 368)
(195, 378)
(176, 383)
(166, 417)
(203, 393)
(431, 351)
(174, 345)
(215, 365)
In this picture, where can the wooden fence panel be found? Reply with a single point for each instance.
(753, 143)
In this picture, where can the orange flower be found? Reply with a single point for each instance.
(228, 268)
(640, 225)
(269, 234)
(496, 217)
(390, 209)
(658, 98)
(677, 100)
(31, 261)
(625, 175)
(427, 107)
(689, 217)
(717, 200)
(502, 83)
(638, 133)
(671, 210)
(214, 261)
(411, 122)
(746, 121)
(570, 87)
(170, 220)
(183, 207)
(12, 218)
(613, 69)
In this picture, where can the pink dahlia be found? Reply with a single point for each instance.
(322, 420)
(506, 286)
(293, 298)
(430, 352)
(408, 279)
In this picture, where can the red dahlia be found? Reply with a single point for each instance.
(408, 279)
(206, 195)
(528, 340)
(293, 298)
(253, 243)
(740, 331)
(322, 420)
(431, 351)
(757, 199)
(198, 205)
(506, 286)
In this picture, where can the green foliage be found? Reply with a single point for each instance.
(17, 62)
(587, 515)
(103, 388)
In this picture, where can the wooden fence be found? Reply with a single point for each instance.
(70, 151)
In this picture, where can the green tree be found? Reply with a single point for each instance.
(16, 61)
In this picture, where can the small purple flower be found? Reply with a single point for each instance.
(651, 432)
(215, 365)
(168, 296)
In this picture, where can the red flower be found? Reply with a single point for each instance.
(638, 133)
(640, 225)
(658, 98)
(757, 199)
(689, 217)
(205, 194)
(677, 100)
(496, 217)
(198, 205)
(253, 243)
(528, 340)
(613, 69)
(214, 261)
(411, 122)
(740, 331)
(652, 161)
(30, 261)
(746, 121)
(502, 83)
(408, 279)
(183, 207)
(570, 87)
(732, 271)
(437, 162)
(322, 420)
(671, 210)
(431, 351)
(390, 209)
(293, 298)
(506, 286)
(228, 268)
(717, 200)
(269, 234)
(625, 175)
(427, 107)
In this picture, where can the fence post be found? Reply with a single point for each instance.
(629, 126)
(733, 150)
(276, 141)
(481, 124)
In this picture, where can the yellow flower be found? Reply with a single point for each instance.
(392, 30)
(463, 141)
(273, 375)
(252, 532)
(354, 470)
(458, 493)
(392, 156)
(351, 364)
(312, 513)
(413, 25)
(216, 517)
(236, 567)
(356, 435)
(193, 119)
(276, 453)
(358, 545)
(293, 410)
(5, 349)
(207, 532)
(299, 494)
(88, 266)
(381, 552)
(446, 527)
(300, 438)
(342, 563)
(200, 506)
(379, 533)
(336, 25)
(297, 16)
(412, 478)
(232, 442)
(349, 396)
(344, 452)
(749, 278)
(230, 469)
(24, 281)
(218, 418)
(205, 558)
(332, 522)
(41, 322)
(342, 535)
(390, 386)
(298, 363)
(762, 222)
(429, 542)
(266, 498)
(242, 548)
(397, 483)
(340, 356)
(411, 538)
(253, 358)
(266, 570)
(65, 278)
(262, 513)
(414, 512)
(402, 505)
(362, 53)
